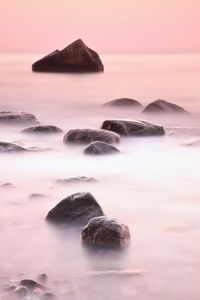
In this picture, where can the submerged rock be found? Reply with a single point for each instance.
(7, 185)
(124, 102)
(76, 57)
(133, 128)
(31, 284)
(21, 291)
(86, 136)
(99, 148)
(42, 278)
(78, 208)
(36, 196)
(11, 117)
(106, 232)
(162, 106)
(10, 147)
(48, 296)
(43, 129)
(80, 179)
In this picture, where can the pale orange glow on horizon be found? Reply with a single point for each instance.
(108, 26)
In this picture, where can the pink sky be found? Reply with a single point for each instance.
(122, 26)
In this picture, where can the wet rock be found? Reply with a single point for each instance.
(100, 148)
(21, 291)
(76, 57)
(10, 147)
(105, 232)
(162, 106)
(11, 117)
(133, 128)
(77, 208)
(43, 129)
(86, 136)
(31, 284)
(80, 179)
(48, 296)
(124, 102)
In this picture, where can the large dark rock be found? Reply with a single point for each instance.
(80, 179)
(43, 129)
(11, 117)
(10, 147)
(78, 208)
(133, 128)
(86, 136)
(100, 148)
(162, 106)
(76, 57)
(105, 232)
(124, 102)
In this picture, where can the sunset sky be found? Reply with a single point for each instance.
(109, 26)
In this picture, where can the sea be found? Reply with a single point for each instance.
(153, 185)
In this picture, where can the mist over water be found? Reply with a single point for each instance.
(152, 185)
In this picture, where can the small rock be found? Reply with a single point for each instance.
(80, 179)
(36, 196)
(48, 296)
(31, 284)
(10, 147)
(106, 232)
(86, 136)
(21, 291)
(7, 185)
(162, 106)
(133, 128)
(124, 102)
(8, 287)
(43, 129)
(100, 148)
(42, 278)
(11, 117)
(78, 208)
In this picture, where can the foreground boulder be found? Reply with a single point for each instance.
(43, 129)
(105, 232)
(78, 208)
(133, 128)
(162, 106)
(11, 117)
(86, 136)
(124, 102)
(99, 148)
(10, 147)
(80, 179)
(76, 57)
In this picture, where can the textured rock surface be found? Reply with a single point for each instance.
(102, 231)
(31, 284)
(100, 148)
(133, 128)
(46, 129)
(11, 117)
(162, 106)
(86, 136)
(76, 57)
(124, 102)
(78, 208)
(10, 147)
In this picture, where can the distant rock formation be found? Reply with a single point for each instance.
(162, 106)
(76, 57)
(124, 102)
(133, 128)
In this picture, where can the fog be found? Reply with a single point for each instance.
(152, 185)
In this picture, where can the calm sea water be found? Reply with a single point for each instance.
(152, 186)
